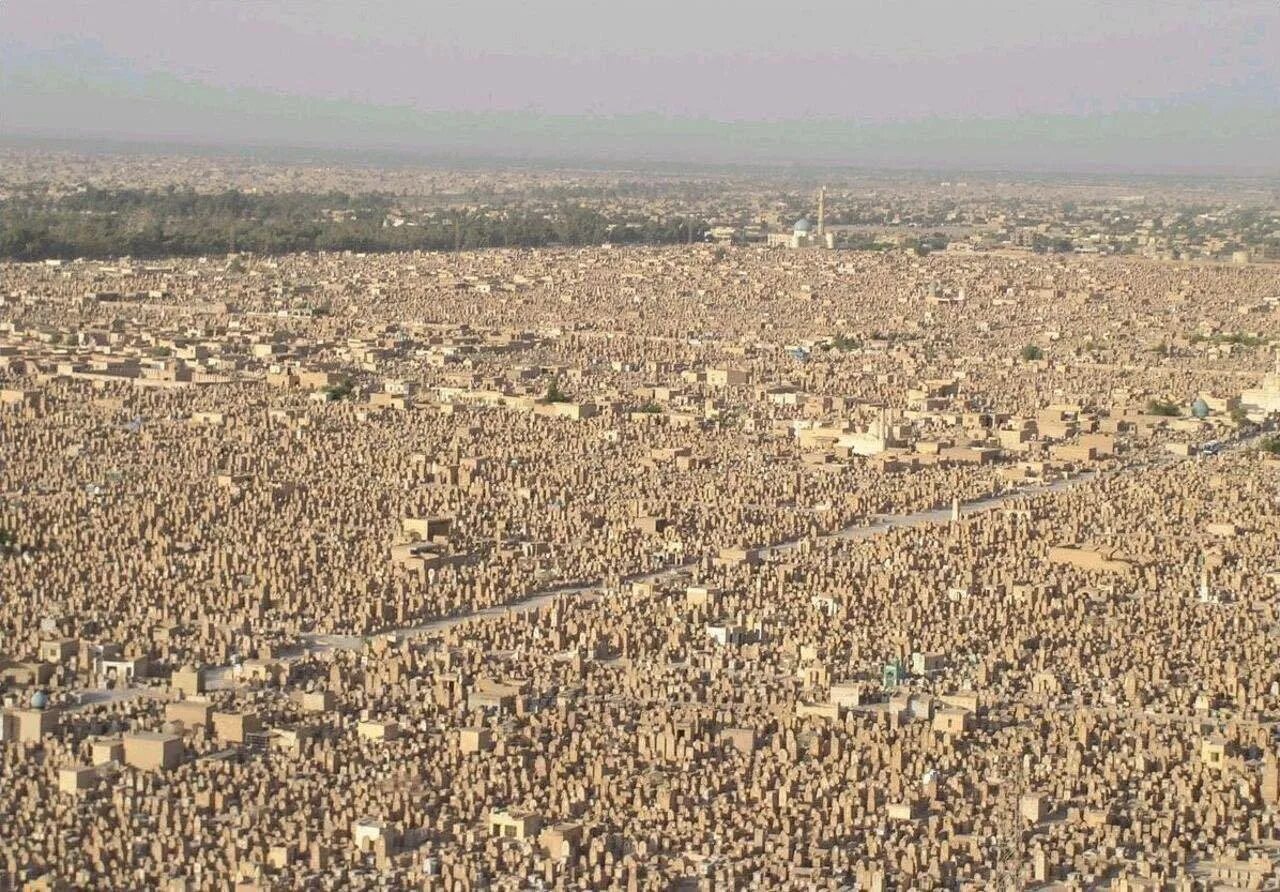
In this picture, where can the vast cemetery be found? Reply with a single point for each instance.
(688, 567)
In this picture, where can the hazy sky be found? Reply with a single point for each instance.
(870, 62)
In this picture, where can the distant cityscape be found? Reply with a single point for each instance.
(63, 206)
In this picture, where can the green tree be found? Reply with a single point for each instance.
(344, 389)
(554, 393)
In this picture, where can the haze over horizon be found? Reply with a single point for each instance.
(1167, 86)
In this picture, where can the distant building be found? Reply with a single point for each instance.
(803, 234)
(724, 235)
(1262, 401)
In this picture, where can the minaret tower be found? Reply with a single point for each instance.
(822, 212)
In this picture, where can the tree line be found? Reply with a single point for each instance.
(101, 223)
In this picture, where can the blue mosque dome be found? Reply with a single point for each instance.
(39, 700)
(802, 226)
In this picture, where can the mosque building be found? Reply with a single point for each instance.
(803, 235)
